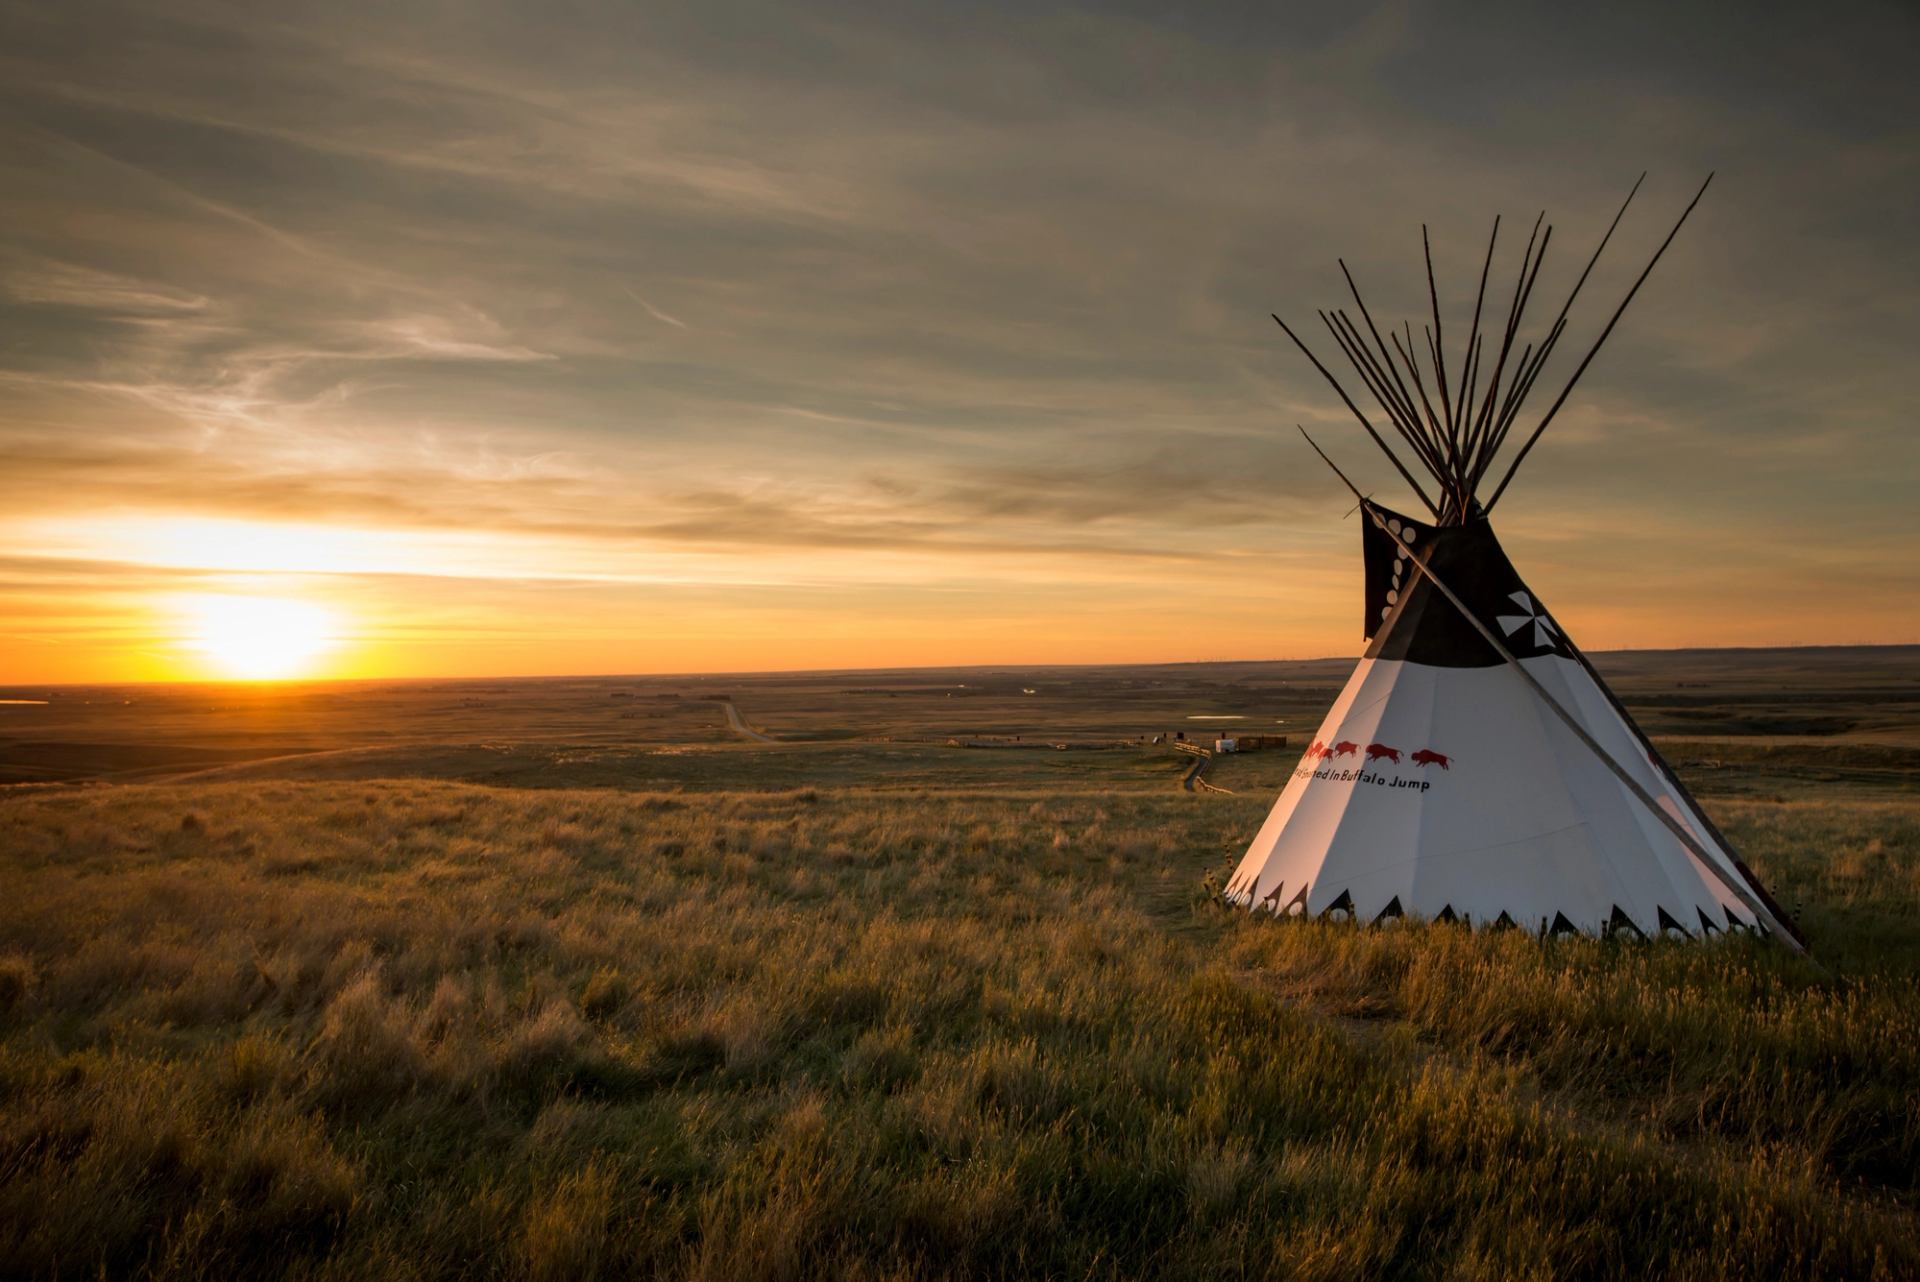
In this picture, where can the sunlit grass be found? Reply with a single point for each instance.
(433, 1030)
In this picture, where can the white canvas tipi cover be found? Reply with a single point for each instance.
(1442, 785)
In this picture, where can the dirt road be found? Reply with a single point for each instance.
(741, 727)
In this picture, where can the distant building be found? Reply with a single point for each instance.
(1255, 742)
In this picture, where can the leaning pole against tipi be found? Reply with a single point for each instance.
(1476, 768)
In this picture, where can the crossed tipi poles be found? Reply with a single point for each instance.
(1457, 442)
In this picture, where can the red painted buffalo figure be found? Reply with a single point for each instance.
(1316, 750)
(1428, 757)
(1345, 748)
(1375, 751)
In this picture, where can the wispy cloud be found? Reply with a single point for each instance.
(655, 312)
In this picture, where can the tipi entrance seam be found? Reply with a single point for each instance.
(1552, 726)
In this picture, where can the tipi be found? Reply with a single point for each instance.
(1476, 767)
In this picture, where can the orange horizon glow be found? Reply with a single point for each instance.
(279, 602)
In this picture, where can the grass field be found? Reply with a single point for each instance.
(566, 979)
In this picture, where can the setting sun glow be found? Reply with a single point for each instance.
(259, 638)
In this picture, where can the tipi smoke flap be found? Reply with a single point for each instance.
(1476, 767)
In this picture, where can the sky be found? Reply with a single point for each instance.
(435, 339)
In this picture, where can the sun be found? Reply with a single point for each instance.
(256, 638)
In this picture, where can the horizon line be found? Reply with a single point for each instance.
(858, 671)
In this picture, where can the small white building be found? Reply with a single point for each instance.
(1226, 745)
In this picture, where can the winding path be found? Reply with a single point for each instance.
(1195, 778)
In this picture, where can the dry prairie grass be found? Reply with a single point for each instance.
(433, 1030)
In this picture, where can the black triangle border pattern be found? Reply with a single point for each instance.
(1619, 924)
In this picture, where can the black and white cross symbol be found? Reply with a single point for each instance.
(1545, 635)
